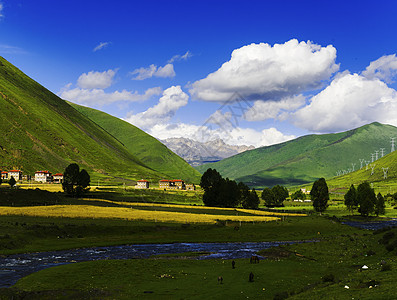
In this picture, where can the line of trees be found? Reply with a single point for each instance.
(221, 192)
(364, 200)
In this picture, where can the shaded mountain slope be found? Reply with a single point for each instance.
(143, 146)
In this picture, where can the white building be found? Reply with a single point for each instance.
(142, 184)
(17, 174)
(43, 176)
(57, 178)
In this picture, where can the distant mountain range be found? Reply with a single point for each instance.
(196, 153)
(40, 131)
(307, 158)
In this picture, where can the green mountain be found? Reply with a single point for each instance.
(143, 146)
(307, 158)
(38, 130)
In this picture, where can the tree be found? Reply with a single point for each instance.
(380, 205)
(268, 196)
(351, 201)
(319, 195)
(253, 200)
(12, 181)
(298, 195)
(211, 182)
(75, 182)
(366, 199)
(244, 194)
(280, 194)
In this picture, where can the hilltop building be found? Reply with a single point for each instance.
(43, 176)
(142, 184)
(17, 174)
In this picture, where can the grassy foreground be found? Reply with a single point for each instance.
(330, 269)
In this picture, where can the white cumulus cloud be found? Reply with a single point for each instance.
(384, 68)
(263, 110)
(351, 100)
(172, 99)
(265, 72)
(154, 71)
(98, 97)
(96, 80)
(1, 10)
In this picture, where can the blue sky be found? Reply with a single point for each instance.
(298, 67)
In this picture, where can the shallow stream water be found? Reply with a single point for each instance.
(14, 267)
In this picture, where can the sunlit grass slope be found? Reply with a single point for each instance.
(41, 131)
(307, 158)
(143, 146)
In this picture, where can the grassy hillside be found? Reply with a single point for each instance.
(143, 146)
(307, 158)
(384, 185)
(41, 131)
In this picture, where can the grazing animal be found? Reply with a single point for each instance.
(254, 259)
(220, 279)
(233, 264)
(251, 277)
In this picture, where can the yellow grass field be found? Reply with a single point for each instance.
(250, 211)
(87, 211)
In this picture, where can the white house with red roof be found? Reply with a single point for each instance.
(57, 178)
(43, 176)
(142, 184)
(17, 174)
(4, 175)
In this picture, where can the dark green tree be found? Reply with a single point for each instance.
(351, 201)
(319, 195)
(280, 194)
(380, 205)
(268, 197)
(75, 182)
(244, 194)
(252, 202)
(211, 178)
(211, 182)
(298, 195)
(228, 194)
(366, 199)
(12, 181)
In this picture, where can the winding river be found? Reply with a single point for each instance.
(14, 267)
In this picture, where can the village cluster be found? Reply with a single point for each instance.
(39, 176)
(175, 184)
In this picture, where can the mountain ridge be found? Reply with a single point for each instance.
(306, 158)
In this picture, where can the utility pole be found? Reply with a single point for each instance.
(353, 165)
(385, 170)
(393, 144)
(376, 154)
(361, 162)
(372, 157)
(382, 152)
(366, 164)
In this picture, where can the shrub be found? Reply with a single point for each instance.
(328, 278)
(281, 296)
(386, 267)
